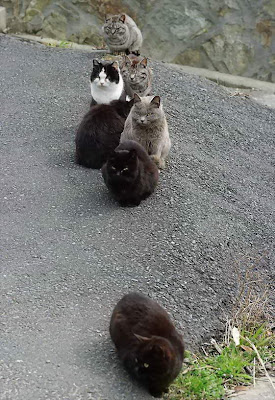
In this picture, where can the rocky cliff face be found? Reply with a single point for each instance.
(232, 36)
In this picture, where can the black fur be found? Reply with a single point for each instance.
(148, 344)
(130, 174)
(111, 72)
(99, 133)
(136, 53)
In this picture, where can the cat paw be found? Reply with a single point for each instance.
(160, 162)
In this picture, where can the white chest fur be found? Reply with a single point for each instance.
(105, 94)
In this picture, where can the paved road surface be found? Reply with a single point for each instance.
(68, 252)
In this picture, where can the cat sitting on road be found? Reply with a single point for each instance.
(121, 34)
(147, 342)
(137, 75)
(106, 82)
(147, 125)
(130, 174)
(99, 132)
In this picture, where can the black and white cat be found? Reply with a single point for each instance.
(106, 82)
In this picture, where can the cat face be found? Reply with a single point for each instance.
(135, 70)
(104, 73)
(155, 360)
(123, 165)
(146, 110)
(115, 28)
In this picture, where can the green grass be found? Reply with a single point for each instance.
(63, 44)
(211, 377)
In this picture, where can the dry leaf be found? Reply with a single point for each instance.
(240, 388)
(247, 348)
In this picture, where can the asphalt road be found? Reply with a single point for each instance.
(69, 252)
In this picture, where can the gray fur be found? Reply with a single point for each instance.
(147, 125)
(137, 75)
(121, 33)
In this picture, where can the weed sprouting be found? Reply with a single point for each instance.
(214, 374)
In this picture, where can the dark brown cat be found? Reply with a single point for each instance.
(147, 342)
(130, 174)
(99, 132)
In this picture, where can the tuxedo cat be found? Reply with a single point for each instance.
(130, 174)
(121, 34)
(106, 82)
(99, 132)
(147, 342)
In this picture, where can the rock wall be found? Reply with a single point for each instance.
(232, 36)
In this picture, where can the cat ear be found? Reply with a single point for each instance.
(162, 351)
(115, 65)
(131, 103)
(137, 99)
(132, 153)
(95, 63)
(112, 156)
(126, 60)
(142, 339)
(156, 101)
(144, 62)
(122, 18)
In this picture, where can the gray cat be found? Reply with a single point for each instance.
(147, 125)
(122, 34)
(137, 75)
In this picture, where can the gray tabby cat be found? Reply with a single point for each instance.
(122, 34)
(147, 125)
(137, 75)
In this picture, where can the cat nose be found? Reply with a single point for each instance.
(142, 119)
(102, 83)
(132, 77)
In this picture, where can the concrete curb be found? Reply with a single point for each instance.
(228, 80)
(240, 82)
(59, 43)
(262, 390)
(3, 19)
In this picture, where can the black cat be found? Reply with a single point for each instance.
(99, 132)
(130, 174)
(147, 342)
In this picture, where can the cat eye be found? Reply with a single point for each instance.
(125, 169)
(114, 168)
(148, 114)
(146, 365)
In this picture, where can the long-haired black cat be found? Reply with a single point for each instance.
(99, 132)
(147, 342)
(130, 174)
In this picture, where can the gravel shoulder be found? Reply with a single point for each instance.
(68, 252)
